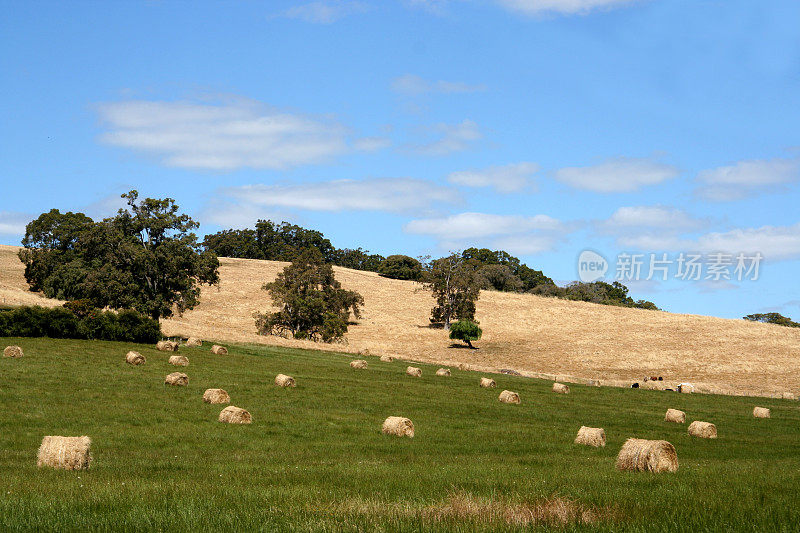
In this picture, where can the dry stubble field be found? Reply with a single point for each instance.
(536, 336)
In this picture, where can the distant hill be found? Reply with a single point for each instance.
(534, 335)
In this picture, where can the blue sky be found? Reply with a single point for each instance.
(543, 127)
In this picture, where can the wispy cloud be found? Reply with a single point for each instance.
(621, 174)
(324, 12)
(775, 243)
(505, 179)
(516, 234)
(661, 219)
(447, 138)
(745, 179)
(412, 85)
(13, 223)
(567, 7)
(376, 194)
(231, 134)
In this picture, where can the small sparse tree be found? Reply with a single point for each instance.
(312, 303)
(773, 318)
(466, 331)
(456, 286)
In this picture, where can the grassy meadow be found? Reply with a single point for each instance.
(314, 457)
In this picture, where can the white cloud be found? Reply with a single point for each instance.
(449, 138)
(621, 174)
(324, 12)
(233, 134)
(506, 178)
(12, 223)
(747, 178)
(412, 85)
(663, 219)
(775, 243)
(538, 7)
(516, 234)
(371, 144)
(376, 194)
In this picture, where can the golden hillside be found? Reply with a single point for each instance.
(534, 335)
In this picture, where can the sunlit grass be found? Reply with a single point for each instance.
(314, 456)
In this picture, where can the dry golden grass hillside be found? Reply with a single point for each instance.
(533, 335)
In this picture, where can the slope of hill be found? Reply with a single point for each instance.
(534, 335)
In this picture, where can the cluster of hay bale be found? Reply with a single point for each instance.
(508, 396)
(703, 430)
(216, 396)
(674, 415)
(399, 426)
(282, 380)
(760, 412)
(135, 358)
(387, 358)
(640, 455)
(443, 372)
(177, 379)
(178, 360)
(219, 350)
(235, 415)
(66, 453)
(13, 351)
(591, 437)
(359, 364)
(194, 342)
(488, 383)
(414, 371)
(560, 388)
(167, 346)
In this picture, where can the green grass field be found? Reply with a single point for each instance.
(314, 457)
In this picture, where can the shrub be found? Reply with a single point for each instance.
(401, 267)
(466, 331)
(63, 323)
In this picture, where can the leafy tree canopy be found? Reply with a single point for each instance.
(466, 331)
(145, 258)
(773, 318)
(455, 284)
(401, 267)
(312, 304)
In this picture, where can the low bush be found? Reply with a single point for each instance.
(63, 323)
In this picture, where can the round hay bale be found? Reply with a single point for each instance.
(178, 379)
(13, 351)
(135, 358)
(167, 346)
(414, 371)
(178, 360)
(789, 396)
(443, 372)
(591, 437)
(674, 415)
(508, 396)
(66, 453)
(703, 430)
(235, 415)
(640, 455)
(219, 350)
(399, 426)
(488, 383)
(365, 351)
(216, 396)
(282, 380)
(193, 342)
(387, 358)
(358, 363)
(560, 388)
(760, 412)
